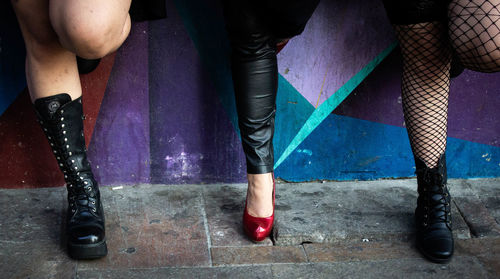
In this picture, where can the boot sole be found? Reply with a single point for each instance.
(434, 259)
(87, 251)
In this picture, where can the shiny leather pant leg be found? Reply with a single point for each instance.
(255, 80)
(255, 84)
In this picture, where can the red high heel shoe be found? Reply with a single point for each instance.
(258, 228)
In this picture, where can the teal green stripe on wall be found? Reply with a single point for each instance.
(329, 105)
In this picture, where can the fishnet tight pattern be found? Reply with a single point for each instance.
(473, 32)
(474, 28)
(425, 85)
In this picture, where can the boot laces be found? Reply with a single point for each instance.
(81, 192)
(435, 210)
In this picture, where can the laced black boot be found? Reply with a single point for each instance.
(433, 213)
(62, 122)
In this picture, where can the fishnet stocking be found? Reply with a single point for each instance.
(474, 28)
(425, 86)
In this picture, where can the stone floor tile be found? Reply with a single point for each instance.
(32, 259)
(361, 251)
(224, 207)
(257, 255)
(487, 250)
(488, 191)
(493, 206)
(348, 211)
(489, 187)
(477, 216)
(478, 201)
(153, 226)
(157, 231)
(241, 272)
(459, 267)
(460, 188)
(29, 214)
(31, 234)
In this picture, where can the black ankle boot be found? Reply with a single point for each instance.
(62, 122)
(433, 213)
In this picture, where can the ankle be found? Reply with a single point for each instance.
(260, 181)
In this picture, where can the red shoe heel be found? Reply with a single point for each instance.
(258, 228)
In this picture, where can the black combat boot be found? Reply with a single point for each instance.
(62, 122)
(433, 213)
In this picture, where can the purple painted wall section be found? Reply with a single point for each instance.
(473, 107)
(339, 40)
(119, 150)
(192, 139)
(167, 113)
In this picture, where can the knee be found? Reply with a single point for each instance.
(484, 57)
(39, 44)
(250, 38)
(89, 36)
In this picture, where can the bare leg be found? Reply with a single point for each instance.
(51, 68)
(92, 28)
(49, 29)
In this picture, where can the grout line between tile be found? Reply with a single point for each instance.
(207, 231)
(75, 272)
(305, 253)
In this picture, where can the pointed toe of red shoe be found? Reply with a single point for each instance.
(257, 228)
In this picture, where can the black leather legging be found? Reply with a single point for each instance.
(254, 27)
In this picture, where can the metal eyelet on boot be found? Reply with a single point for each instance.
(62, 132)
(434, 240)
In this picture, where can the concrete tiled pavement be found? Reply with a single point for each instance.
(324, 230)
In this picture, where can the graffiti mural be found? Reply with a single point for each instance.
(161, 109)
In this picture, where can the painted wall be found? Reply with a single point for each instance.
(161, 109)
